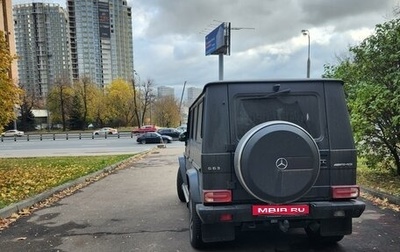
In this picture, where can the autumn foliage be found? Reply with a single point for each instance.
(119, 104)
(21, 178)
(9, 92)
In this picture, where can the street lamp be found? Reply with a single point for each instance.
(307, 32)
(137, 104)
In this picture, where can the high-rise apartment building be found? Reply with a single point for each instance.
(192, 94)
(42, 44)
(164, 91)
(101, 40)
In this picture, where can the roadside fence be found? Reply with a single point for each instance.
(65, 136)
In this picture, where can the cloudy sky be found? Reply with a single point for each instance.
(169, 36)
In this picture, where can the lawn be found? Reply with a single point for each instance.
(21, 178)
(377, 179)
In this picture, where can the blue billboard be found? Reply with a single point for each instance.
(216, 42)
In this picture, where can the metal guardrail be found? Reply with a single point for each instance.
(65, 136)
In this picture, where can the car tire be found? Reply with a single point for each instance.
(195, 233)
(143, 141)
(277, 162)
(179, 190)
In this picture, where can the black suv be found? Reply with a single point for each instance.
(276, 153)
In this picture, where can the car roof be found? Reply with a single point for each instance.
(277, 81)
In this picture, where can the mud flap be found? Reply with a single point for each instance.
(218, 232)
(333, 227)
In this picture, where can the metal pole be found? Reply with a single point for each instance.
(309, 58)
(16, 116)
(307, 32)
(138, 99)
(180, 104)
(221, 66)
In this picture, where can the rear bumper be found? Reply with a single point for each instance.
(318, 211)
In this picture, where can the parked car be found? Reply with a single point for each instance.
(275, 154)
(12, 133)
(153, 137)
(172, 132)
(105, 131)
(144, 129)
(182, 128)
(182, 136)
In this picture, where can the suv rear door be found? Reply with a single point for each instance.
(298, 102)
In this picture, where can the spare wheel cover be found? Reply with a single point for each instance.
(277, 162)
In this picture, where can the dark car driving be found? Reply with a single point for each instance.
(153, 137)
(172, 132)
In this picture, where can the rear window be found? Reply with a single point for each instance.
(302, 110)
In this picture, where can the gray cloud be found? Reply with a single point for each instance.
(182, 24)
(169, 36)
(319, 12)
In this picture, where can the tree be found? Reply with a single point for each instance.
(27, 118)
(87, 97)
(9, 92)
(147, 99)
(119, 101)
(136, 101)
(76, 119)
(372, 77)
(101, 113)
(142, 99)
(59, 102)
(167, 112)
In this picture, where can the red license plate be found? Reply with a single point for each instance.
(279, 210)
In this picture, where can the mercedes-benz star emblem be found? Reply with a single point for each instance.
(281, 163)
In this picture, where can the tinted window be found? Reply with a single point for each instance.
(191, 124)
(299, 109)
(199, 121)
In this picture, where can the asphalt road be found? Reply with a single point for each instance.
(137, 209)
(73, 146)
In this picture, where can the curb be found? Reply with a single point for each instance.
(17, 207)
(382, 195)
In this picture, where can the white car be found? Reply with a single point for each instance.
(106, 131)
(182, 128)
(12, 133)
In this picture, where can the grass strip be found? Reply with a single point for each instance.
(381, 180)
(21, 178)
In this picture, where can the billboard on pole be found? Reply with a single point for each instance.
(217, 41)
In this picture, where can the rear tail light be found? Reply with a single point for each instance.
(345, 192)
(217, 196)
